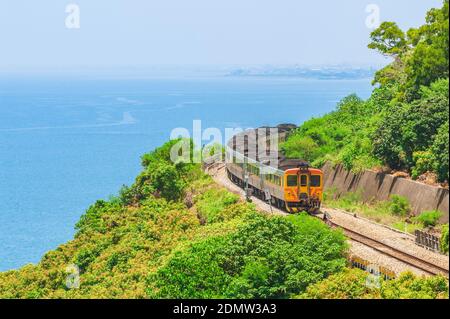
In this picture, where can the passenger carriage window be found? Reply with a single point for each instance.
(274, 179)
(303, 180)
(292, 181)
(277, 180)
(315, 180)
(255, 170)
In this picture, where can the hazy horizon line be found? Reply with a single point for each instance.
(173, 70)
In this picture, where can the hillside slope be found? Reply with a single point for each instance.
(176, 234)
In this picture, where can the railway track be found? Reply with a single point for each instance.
(425, 266)
(393, 252)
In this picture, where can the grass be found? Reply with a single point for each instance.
(383, 212)
(407, 227)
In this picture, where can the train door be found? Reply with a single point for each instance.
(303, 191)
(296, 184)
(296, 190)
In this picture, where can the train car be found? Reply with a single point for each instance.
(303, 188)
(293, 186)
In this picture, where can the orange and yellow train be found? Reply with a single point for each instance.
(295, 187)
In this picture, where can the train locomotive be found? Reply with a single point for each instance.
(290, 184)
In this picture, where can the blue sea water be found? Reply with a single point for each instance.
(66, 143)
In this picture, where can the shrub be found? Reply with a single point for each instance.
(352, 284)
(86, 256)
(93, 221)
(429, 218)
(440, 153)
(444, 239)
(409, 286)
(301, 147)
(212, 204)
(348, 284)
(399, 205)
(162, 153)
(166, 180)
(268, 257)
(352, 198)
(423, 162)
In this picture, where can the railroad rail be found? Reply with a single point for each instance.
(377, 245)
(393, 252)
(214, 164)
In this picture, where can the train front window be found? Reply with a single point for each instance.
(303, 180)
(315, 180)
(292, 181)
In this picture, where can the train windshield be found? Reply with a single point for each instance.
(315, 180)
(292, 181)
(303, 180)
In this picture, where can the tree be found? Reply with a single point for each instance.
(166, 180)
(440, 152)
(389, 39)
(430, 58)
(408, 128)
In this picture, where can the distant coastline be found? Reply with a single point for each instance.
(319, 73)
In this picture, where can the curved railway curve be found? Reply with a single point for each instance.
(393, 252)
(353, 234)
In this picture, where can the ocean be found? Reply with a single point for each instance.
(66, 143)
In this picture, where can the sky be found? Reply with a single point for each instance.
(125, 33)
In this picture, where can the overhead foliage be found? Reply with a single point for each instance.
(389, 39)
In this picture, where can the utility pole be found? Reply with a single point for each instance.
(268, 199)
(246, 190)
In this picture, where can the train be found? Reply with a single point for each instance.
(292, 185)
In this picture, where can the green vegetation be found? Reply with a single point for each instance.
(195, 241)
(404, 124)
(399, 205)
(444, 239)
(175, 233)
(212, 204)
(264, 258)
(395, 212)
(352, 284)
(429, 218)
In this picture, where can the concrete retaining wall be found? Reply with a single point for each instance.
(379, 186)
